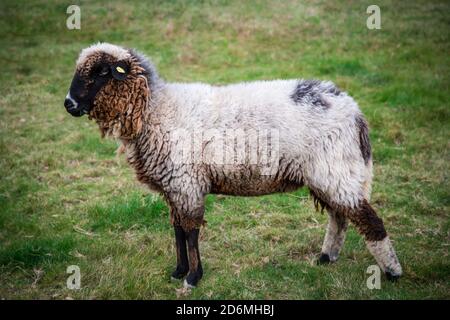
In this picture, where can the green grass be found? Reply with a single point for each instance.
(67, 198)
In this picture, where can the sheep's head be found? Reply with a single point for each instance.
(111, 86)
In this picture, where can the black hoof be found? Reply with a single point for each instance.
(192, 279)
(179, 273)
(392, 277)
(324, 259)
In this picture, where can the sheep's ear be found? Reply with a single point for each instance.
(119, 70)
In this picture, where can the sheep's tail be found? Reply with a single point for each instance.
(364, 140)
(366, 153)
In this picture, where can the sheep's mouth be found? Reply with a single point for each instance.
(76, 111)
(75, 108)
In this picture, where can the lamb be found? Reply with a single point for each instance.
(179, 137)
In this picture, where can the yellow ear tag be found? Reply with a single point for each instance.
(120, 70)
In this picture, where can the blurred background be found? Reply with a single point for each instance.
(66, 198)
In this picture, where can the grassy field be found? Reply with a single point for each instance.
(67, 199)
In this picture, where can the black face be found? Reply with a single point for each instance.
(84, 88)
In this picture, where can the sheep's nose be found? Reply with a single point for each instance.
(68, 103)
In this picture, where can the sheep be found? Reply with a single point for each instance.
(308, 132)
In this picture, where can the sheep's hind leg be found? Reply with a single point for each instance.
(195, 265)
(377, 240)
(334, 237)
(182, 257)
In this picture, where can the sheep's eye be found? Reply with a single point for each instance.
(104, 72)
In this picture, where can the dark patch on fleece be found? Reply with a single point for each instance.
(364, 141)
(311, 92)
(367, 222)
(363, 216)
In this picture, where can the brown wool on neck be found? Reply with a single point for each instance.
(118, 106)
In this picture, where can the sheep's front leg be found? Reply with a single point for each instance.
(186, 216)
(195, 265)
(334, 238)
(182, 257)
